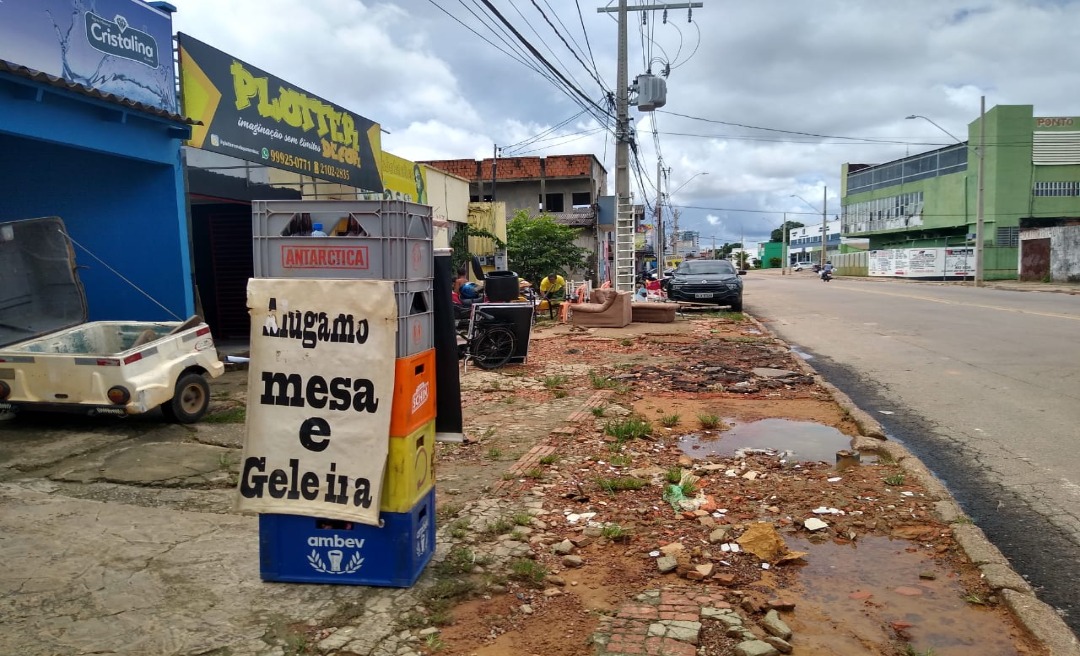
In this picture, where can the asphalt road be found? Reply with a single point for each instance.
(982, 384)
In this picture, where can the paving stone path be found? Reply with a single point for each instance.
(663, 622)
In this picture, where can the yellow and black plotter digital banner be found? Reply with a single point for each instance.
(250, 114)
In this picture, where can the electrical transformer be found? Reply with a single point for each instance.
(651, 92)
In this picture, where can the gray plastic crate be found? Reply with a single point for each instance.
(416, 334)
(413, 297)
(416, 322)
(343, 257)
(373, 218)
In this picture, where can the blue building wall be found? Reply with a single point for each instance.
(114, 176)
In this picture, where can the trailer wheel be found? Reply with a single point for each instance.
(190, 400)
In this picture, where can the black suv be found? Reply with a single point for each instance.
(707, 281)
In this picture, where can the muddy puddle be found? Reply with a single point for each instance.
(848, 601)
(798, 440)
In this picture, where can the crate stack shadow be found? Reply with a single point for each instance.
(371, 240)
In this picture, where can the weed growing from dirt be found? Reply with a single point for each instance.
(522, 518)
(433, 642)
(552, 382)
(441, 597)
(673, 475)
(550, 459)
(459, 561)
(459, 528)
(494, 453)
(620, 483)
(974, 599)
(499, 526)
(627, 429)
(709, 420)
(911, 651)
(235, 415)
(626, 342)
(448, 511)
(508, 476)
(689, 489)
(670, 421)
(534, 472)
(560, 394)
(621, 460)
(598, 412)
(600, 381)
(528, 571)
(895, 479)
(613, 531)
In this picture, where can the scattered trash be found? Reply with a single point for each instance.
(764, 565)
(886, 412)
(827, 511)
(654, 554)
(814, 524)
(835, 479)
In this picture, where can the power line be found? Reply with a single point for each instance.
(543, 60)
(581, 19)
(565, 43)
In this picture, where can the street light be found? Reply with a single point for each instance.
(980, 220)
(660, 223)
(935, 125)
(824, 219)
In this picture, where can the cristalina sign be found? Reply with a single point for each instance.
(320, 383)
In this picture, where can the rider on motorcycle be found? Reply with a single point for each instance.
(826, 271)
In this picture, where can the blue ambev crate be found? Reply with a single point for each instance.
(299, 549)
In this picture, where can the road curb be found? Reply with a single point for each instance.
(1038, 618)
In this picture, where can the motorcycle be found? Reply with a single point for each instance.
(826, 275)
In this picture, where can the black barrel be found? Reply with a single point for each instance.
(501, 286)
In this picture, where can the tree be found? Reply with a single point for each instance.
(726, 250)
(538, 246)
(778, 234)
(459, 245)
(742, 258)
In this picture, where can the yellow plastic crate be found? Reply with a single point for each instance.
(410, 469)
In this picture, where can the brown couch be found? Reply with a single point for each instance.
(653, 312)
(609, 309)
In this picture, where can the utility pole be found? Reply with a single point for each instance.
(675, 232)
(824, 222)
(494, 165)
(784, 246)
(659, 226)
(980, 217)
(623, 278)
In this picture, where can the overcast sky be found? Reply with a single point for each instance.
(446, 83)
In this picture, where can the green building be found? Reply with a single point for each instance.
(1031, 172)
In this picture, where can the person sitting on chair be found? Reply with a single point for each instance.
(553, 288)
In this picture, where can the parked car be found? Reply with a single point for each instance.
(707, 281)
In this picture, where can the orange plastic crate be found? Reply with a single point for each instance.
(414, 393)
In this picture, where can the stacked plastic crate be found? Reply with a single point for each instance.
(371, 240)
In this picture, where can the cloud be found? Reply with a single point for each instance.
(828, 68)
